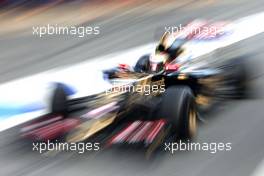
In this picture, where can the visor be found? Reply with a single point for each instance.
(157, 61)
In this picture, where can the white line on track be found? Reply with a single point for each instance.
(259, 170)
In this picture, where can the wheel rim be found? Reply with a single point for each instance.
(203, 100)
(192, 122)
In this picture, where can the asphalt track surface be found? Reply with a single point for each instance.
(239, 122)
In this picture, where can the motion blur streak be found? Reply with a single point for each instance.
(69, 74)
(124, 25)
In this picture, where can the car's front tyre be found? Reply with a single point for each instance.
(59, 103)
(179, 109)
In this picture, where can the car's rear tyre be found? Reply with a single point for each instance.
(142, 64)
(242, 85)
(179, 108)
(59, 103)
(237, 74)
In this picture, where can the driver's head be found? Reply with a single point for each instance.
(157, 61)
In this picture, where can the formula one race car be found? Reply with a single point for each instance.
(159, 98)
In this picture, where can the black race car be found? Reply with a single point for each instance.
(158, 99)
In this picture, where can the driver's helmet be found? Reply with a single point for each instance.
(157, 61)
(168, 50)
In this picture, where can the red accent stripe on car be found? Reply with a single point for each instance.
(156, 129)
(123, 135)
(138, 136)
(52, 131)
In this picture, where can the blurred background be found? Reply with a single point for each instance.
(125, 24)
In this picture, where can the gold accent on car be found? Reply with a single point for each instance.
(192, 122)
(182, 76)
(203, 100)
(89, 128)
